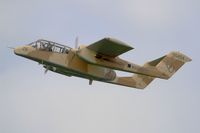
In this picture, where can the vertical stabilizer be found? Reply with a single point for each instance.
(171, 63)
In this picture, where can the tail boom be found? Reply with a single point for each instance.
(167, 65)
(137, 81)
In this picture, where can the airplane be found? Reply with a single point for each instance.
(99, 62)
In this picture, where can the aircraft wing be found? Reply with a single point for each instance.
(105, 53)
(109, 47)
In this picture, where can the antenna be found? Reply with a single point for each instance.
(11, 47)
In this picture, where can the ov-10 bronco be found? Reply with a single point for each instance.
(99, 60)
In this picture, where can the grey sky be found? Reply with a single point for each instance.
(33, 102)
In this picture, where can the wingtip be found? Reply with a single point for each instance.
(118, 41)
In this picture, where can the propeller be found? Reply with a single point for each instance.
(90, 81)
(46, 69)
(76, 42)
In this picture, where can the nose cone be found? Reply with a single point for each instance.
(22, 51)
(18, 51)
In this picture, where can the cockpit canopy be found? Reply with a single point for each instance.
(50, 46)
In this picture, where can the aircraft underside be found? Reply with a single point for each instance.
(70, 72)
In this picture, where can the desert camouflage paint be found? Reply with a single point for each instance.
(99, 60)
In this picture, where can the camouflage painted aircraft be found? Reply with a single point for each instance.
(99, 60)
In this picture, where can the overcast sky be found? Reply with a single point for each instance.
(31, 102)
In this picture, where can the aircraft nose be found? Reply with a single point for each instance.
(21, 50)
(17, 50)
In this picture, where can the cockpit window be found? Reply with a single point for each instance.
(50, 46)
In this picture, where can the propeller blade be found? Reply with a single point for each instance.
(90, 81)
(46, 70)
(76, 42)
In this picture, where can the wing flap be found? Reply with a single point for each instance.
(109, 47)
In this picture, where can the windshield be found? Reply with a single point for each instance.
(50, 46)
